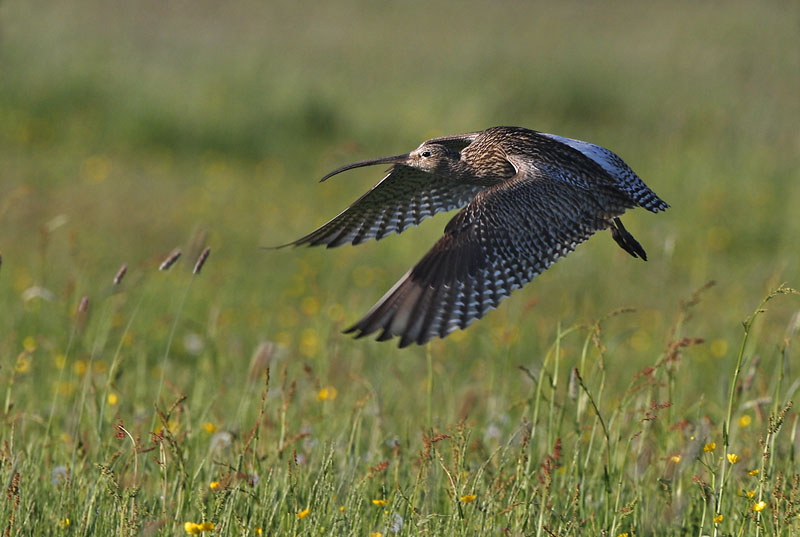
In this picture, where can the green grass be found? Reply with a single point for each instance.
(129, 130)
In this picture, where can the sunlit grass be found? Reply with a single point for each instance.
(571, 456)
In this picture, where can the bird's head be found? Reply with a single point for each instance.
(428, 157)
(432, 158)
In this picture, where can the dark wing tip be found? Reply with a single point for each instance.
(384, 336)
(352, 329)
(327, 235)
(653, 203)
(405, 339)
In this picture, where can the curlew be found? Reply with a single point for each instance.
(528, 199)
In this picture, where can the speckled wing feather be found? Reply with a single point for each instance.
(405, 197)
(506, 236)
(626, 178)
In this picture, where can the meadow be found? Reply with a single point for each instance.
(608, 397)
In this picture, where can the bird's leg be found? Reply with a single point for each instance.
(626, 240)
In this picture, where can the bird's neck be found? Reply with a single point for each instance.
(484, 168)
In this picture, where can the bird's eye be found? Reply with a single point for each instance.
(426, 154)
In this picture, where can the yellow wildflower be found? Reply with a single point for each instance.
(327, 393)
(23, 364)
(113, 399)
(214, 485)
(63, 523)
(675, 459)
(759, 506)
(209, 427)
(745, 420)
(303, 513)
(29, 344)
(380, 503)
(335, 312)
(623, 534)
(172, 426)
(192, 528)
(96, 169)
(127, 339)
(733, 458)
(79, 367)
(376, 534)
(753, 472)
(750, 493)
(309, 305)
(719, 347)
(309, 342)
(468, 498)
(719, 518)
(207, 526)
(64, 388)
(341, 508)
(711, 446)
(258, 531)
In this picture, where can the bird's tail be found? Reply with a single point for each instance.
(644, 197)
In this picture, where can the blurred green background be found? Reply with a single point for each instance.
(130, 128)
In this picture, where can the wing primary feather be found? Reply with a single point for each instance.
(467, 293)
(430, 316)
(416, 319)
(383, 310)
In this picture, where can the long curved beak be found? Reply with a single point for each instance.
(397, 159)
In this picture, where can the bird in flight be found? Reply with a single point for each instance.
(527, 198)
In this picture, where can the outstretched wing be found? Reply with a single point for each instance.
(405, 197)
(506, 236)
(612, 164)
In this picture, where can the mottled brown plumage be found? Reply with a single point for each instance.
(528, 199)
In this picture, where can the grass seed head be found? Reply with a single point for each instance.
(120, 274)
(201, 260)
(170, 260)
(82, 314)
